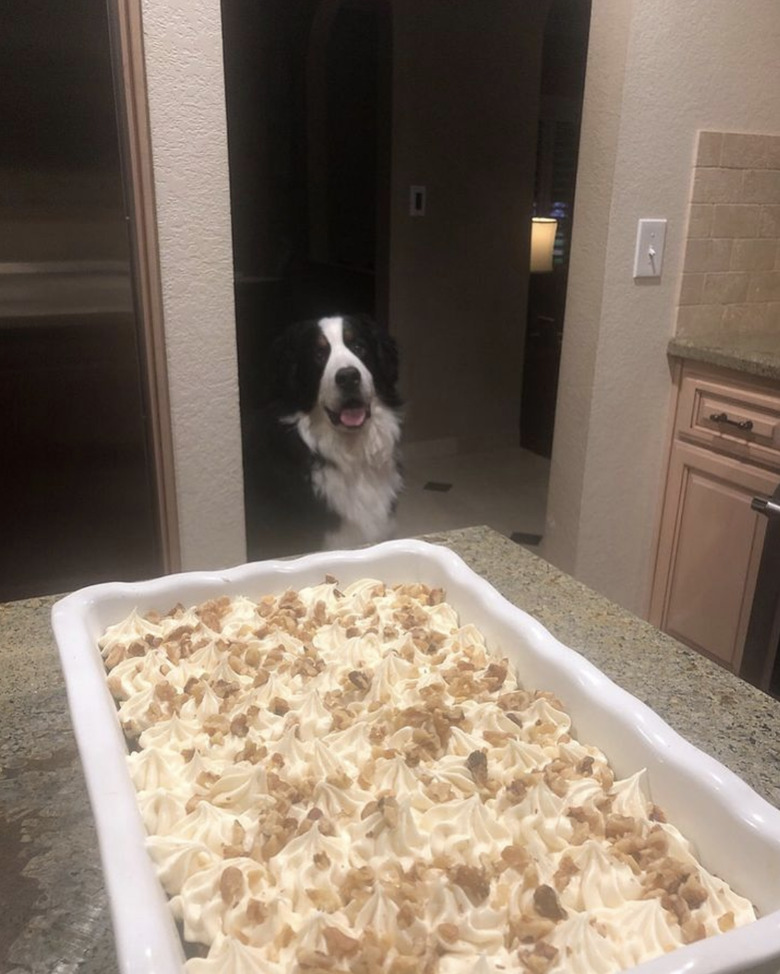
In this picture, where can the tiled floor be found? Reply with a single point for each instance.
(505, 489)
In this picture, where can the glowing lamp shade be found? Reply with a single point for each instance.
(543, 231)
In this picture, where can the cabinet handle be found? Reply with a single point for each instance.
(745, 424)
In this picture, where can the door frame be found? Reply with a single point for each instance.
(129, 66)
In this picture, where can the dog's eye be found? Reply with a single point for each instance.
(321, 354)
(357, 347)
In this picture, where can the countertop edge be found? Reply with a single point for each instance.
(758, 362)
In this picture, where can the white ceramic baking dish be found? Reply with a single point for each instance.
(736, 833)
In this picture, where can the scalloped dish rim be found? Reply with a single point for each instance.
(707, 801)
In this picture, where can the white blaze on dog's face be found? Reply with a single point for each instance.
(347, 386)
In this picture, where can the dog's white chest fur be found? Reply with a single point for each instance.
(359, 479)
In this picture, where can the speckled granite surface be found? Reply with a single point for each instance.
(53, 909)
(755, 354)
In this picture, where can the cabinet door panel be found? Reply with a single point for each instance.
(714, 550)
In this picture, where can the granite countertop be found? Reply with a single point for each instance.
(756, 353)
(54, 914)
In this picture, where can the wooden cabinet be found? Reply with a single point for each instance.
(725, 450)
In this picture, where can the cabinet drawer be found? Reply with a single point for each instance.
(730, 418)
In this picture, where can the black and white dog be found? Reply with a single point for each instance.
(322, 461)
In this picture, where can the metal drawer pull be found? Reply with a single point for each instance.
(746, 424)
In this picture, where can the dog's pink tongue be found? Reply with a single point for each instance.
(353, 417)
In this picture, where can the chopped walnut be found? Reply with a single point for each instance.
(231, 886)
(279, 706)
(357, 885)
(324, 898)
(540, 959)
(361, 679)
(495, 675)
(616, 826)
(339, 779)
(527, 930)
(547, 904)
(693, 892)
(256, 912)
(515, 700)
(439, 791)
(216, 724)
(588, 816)
(340, 944)
(667, 874)
(476, 762)
(472, 881)
(585, 766)
(693, 930)
(448, 932)
(515, 856)
(497, 738)
(252, 752)
(316, 962)
(388, 806)
(563, 874)
(212, 613)
(239, 726)
(557, 783)
(726, 921)
(516, 790)
(261, 677)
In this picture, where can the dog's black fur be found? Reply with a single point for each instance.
(321, 459)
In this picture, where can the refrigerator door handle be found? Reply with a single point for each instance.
(770, 508)
(762, 640)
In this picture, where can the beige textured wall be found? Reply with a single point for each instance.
(183, 41)
(608, 39)
(465, 106)
(704, 64)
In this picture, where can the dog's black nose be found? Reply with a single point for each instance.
(348, 378)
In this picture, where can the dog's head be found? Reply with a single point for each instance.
(342, 365)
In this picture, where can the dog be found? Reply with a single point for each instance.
(322, 459)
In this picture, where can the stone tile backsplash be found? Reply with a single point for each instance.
(731, 272)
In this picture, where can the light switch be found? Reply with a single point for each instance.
(649, 255)
(417, 201)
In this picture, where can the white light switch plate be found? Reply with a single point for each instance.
(649, 254)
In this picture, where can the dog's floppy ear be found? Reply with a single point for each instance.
(386, 351)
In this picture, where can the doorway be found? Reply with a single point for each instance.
(78, 491)
(322, 158)
(308, 117)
